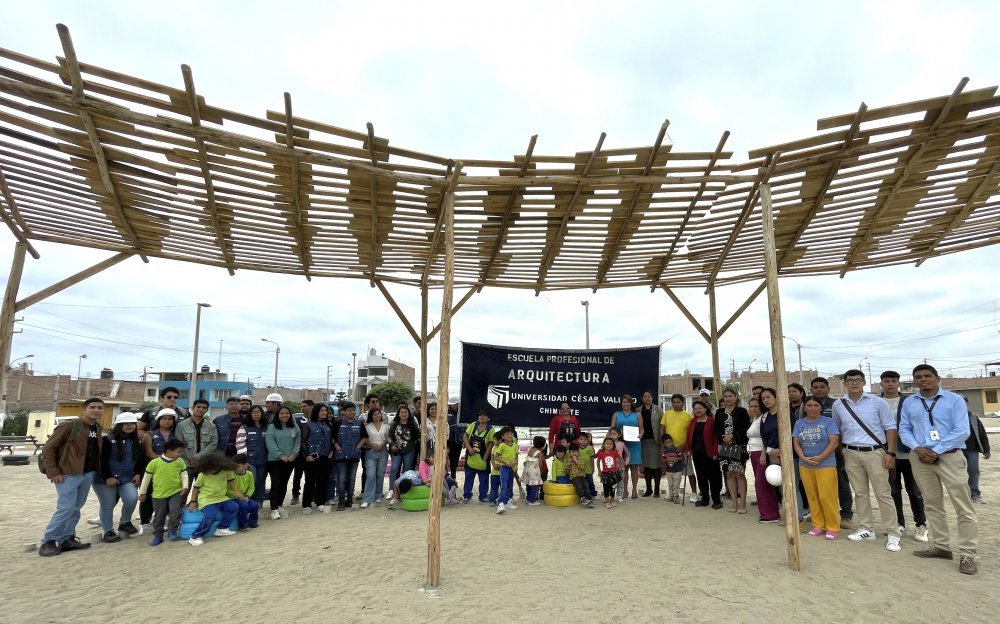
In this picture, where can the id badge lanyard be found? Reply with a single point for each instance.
(934, 435)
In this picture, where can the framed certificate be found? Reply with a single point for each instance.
(630, 434)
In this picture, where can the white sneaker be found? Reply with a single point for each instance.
(196, 541)
(902, 530)
(892, 544)
(224, 532)
(95, 521)
(306, 511)
(501, 508)
(283, 512)
(511, 506)
(275, 515)
(863, 534)
(694, 497)
(325, 508)
(364, 505)
(142, 529)
(920, 534)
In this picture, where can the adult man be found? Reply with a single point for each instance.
(348, 435)
(868, 438)
(978, 443)
(300, 461)
(903, 473)
(227, 425)
(935, 424)
(675, 421)
(71, 457)
(168, 400)
(200, 437)
(706, 395)
(563, 428)
(246, 402)
(820, 388)
(271, 406)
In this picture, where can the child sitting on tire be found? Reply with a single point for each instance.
(402, 485)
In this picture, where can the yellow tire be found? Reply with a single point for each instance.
(558, 489)
(562, 500)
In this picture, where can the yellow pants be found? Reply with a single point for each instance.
(821, 490)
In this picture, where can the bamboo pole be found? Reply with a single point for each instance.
(7, 317)
(714, 333)
(781, 380)
(72, 280)
(444, 344)
(424, 339)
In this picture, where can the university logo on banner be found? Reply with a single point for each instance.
(526, 386)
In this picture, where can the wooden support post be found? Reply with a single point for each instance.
(714, 333)
(7, 317)
(397, 310)
(457, 307)
(424, 340)
(72, 280)
(742, 308)
(14, 221)
(781, 380)
(687, 313)
(437, 483)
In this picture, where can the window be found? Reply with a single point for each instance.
(38, 424)
(220, 394)
(377, 371)
(183, 395)
(151, 393)
(991, 396)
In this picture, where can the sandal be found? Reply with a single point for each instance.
(607, 505)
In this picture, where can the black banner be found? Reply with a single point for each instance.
(526, 386)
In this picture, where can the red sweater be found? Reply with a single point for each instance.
(711, 444)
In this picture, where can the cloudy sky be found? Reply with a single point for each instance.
(477, 80)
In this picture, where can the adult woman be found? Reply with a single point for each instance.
(250, 441)
(767, 500)
(815, 438)
(796, 395)
(404, 436)
(769, 434)
(731, 424)
(649, 441)
(376, 458)
(318, 444)
(122, 464)
(704, 452)
(432, 425)
(283, 440)
(152, 445)
(626, 417)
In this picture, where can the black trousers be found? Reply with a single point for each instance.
(279, 473)
(454, 453)
(903, 473)
(300, 466)
(709, 477)
(317, 474)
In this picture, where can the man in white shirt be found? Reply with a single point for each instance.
(868, 435)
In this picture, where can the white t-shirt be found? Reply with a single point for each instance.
(893, 406)
(755, 442)
(377, 435)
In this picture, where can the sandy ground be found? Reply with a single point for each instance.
(645, 561)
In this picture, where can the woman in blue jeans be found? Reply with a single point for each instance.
(375, 458)
(122, 464)
(404, 438)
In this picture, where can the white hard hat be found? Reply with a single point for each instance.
(705, 392)
(274, 396)
(126, 418)
(773, 475)
(166, 411)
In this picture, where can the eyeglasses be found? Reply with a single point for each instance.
(854, 381)
(172, 396)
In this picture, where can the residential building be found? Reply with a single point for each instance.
(376, 369)
(32, 391)
(215, 387)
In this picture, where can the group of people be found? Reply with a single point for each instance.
(843, 451)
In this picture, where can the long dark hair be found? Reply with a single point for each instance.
(277, 418)
(248, 420)
(118, 434)
(215, 462)
(314, 416)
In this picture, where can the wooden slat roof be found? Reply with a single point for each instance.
(100, 159)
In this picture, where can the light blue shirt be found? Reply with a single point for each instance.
(951, 421)
(872, 410)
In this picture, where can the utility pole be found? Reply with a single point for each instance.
(586, 316)
(328, 369)
(802, 378)
(351, 378)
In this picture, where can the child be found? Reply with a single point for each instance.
(578, 476)
(559, 466)
(249, 511)
(517, 477)
(672, 458)
(531, 472)
(426, 473)
(168, 474)
(586, 444)
(494, 496)
(402, 485)
(211, 494)
(505, 456)
(611, 470)
(616, 434)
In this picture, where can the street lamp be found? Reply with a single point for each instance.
(79, 365)
(801, 377)
(586, 316)
(351, 378)
(23, 357)
(193, 391)
(277, 351)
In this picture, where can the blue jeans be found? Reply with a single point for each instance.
(972, 459)
(71, 496)
(494, 496)
(375, 464)
(506, 484)
(347, 472)
(107, 497)
(224, 511)
(533, 491)
(247, 513)
(400, 464)
(590, 482)
(259, 477)
(331, 484)
(470, 479)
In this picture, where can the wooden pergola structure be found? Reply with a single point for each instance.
(100, 159)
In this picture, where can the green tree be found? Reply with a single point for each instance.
(341, 396)
(16, 423)
(392, 393)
